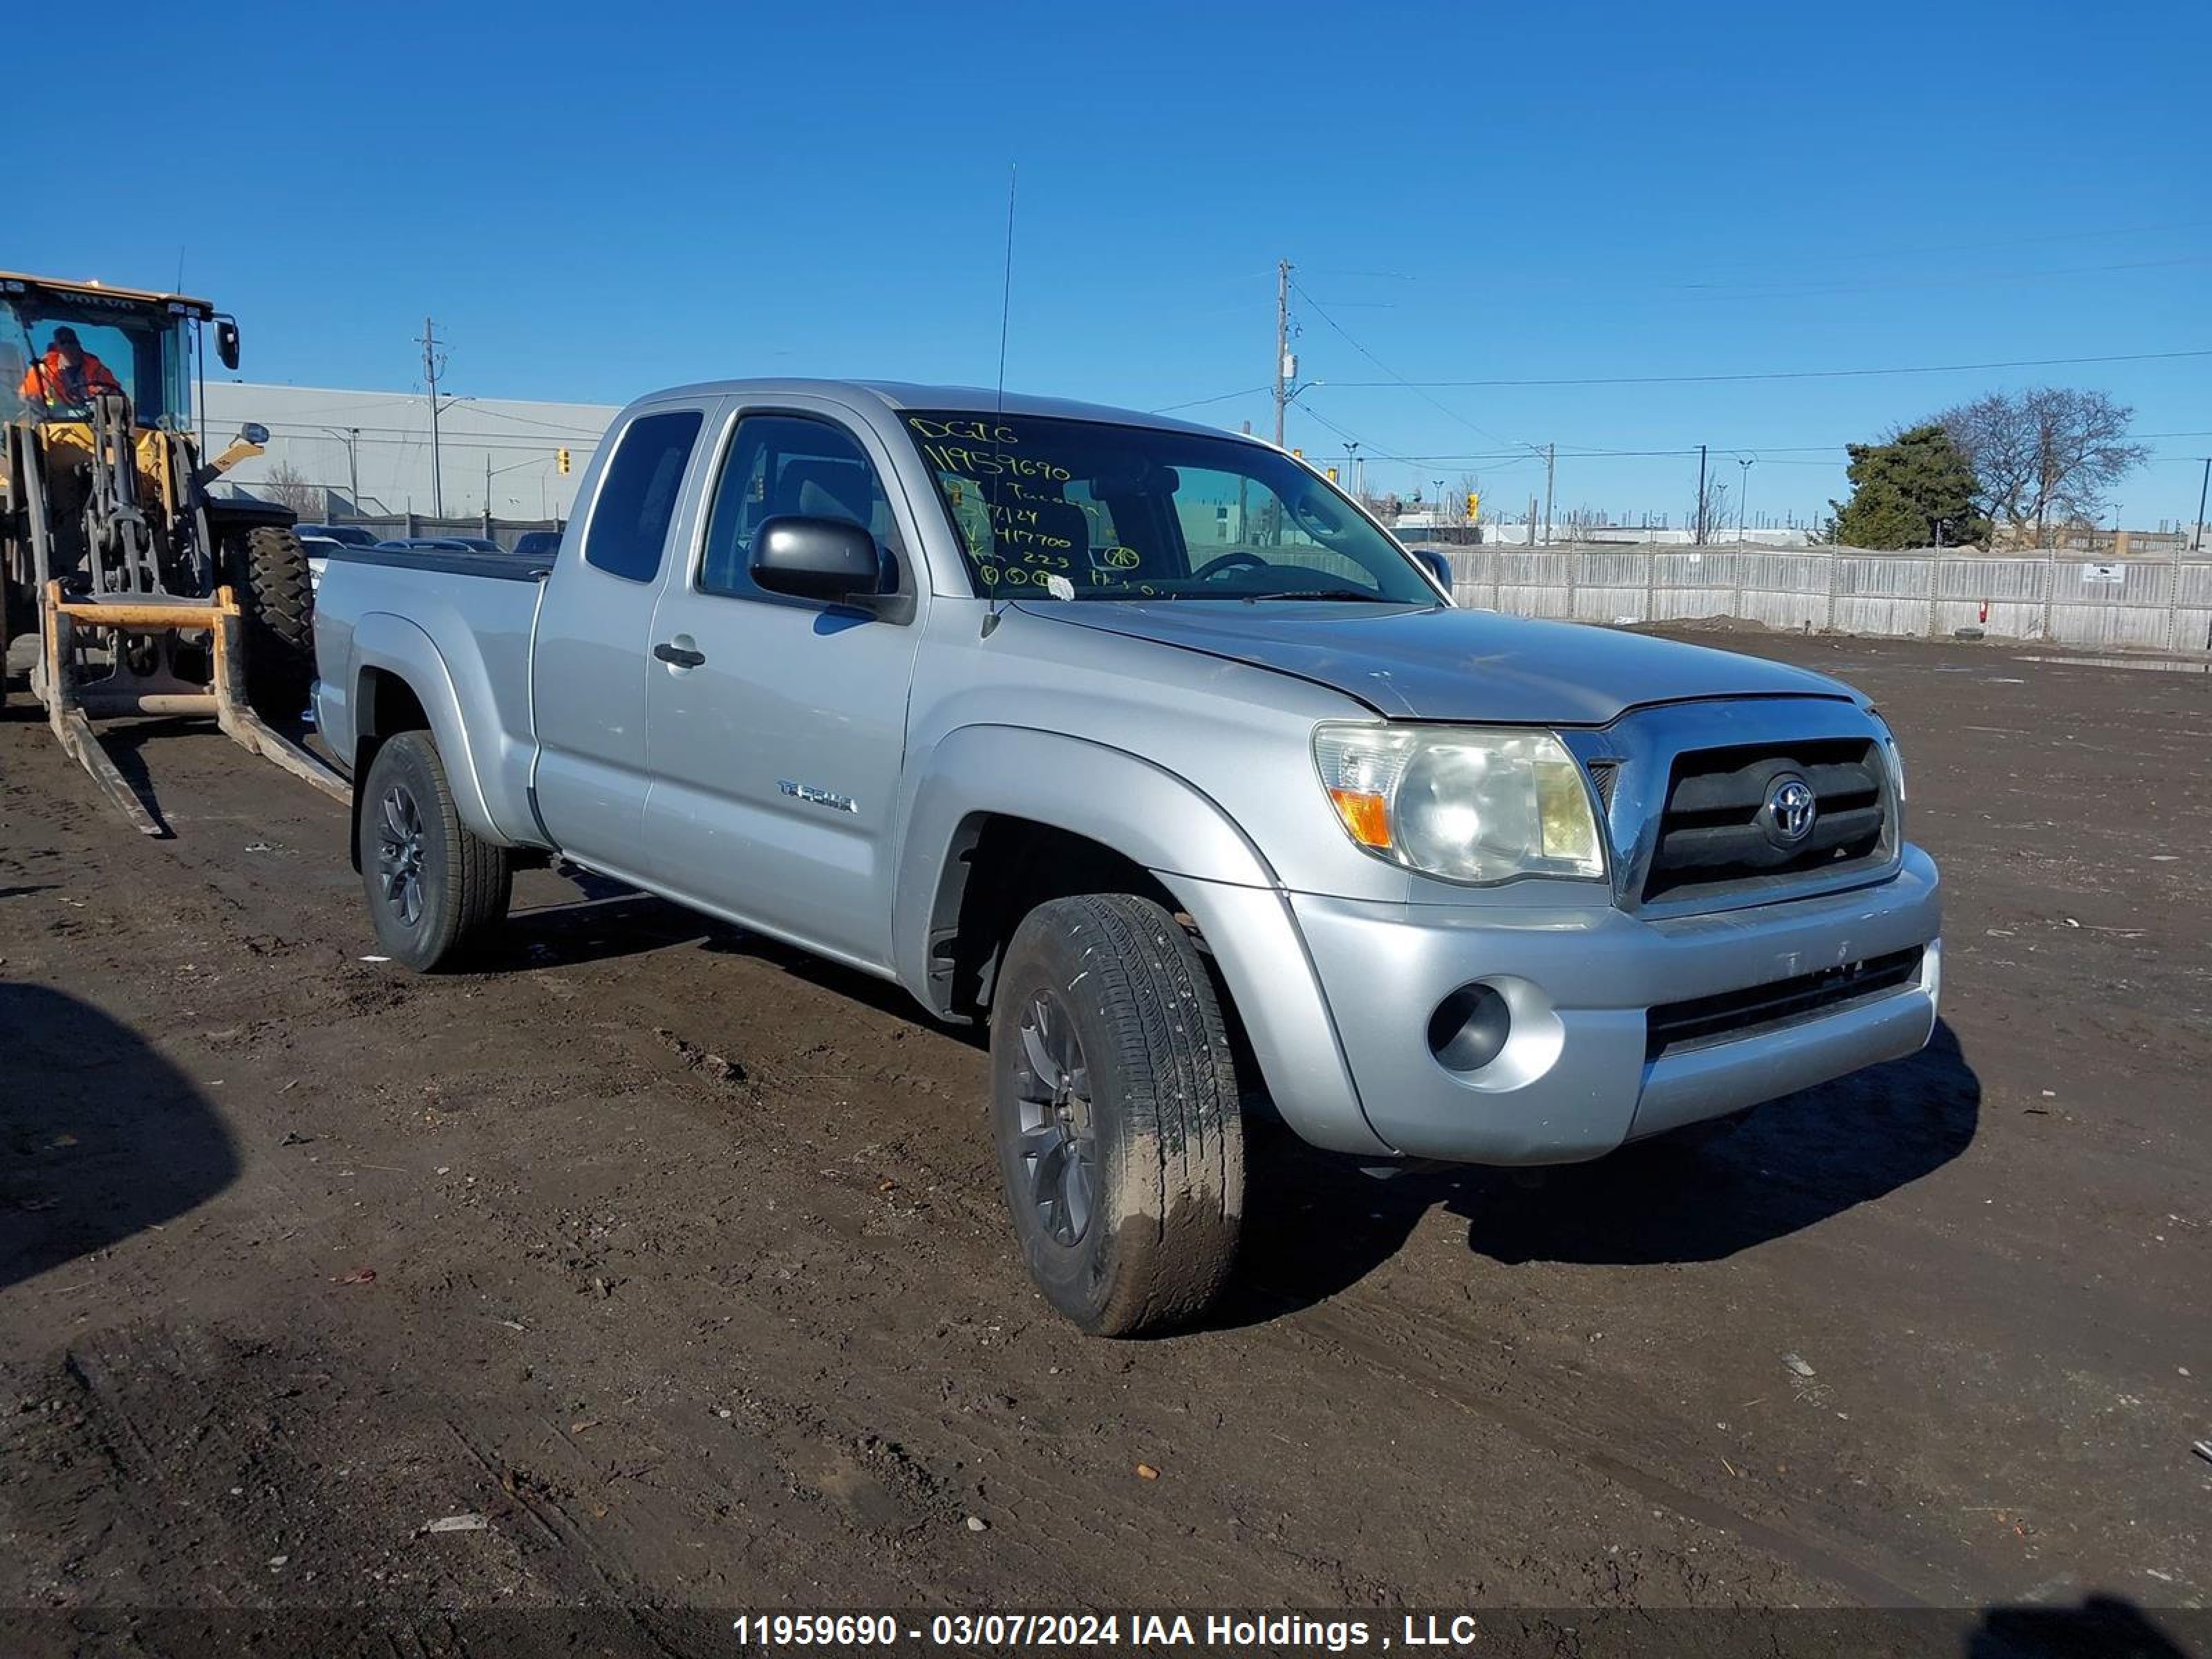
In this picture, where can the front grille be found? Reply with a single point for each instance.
(1716, 835)
(1703, 1021)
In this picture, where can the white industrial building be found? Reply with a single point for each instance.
(371, 455)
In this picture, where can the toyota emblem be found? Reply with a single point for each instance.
(1791, 806)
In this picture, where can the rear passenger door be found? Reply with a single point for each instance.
(589, 658)
(778, 730)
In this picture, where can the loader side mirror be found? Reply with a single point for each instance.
(253, 433)
(226, 341)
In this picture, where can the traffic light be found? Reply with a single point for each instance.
(561, 459)
(1473, 506)
(1332, 475)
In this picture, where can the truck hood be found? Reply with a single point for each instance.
(1442, 665)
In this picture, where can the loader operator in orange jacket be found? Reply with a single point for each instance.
(67, 374)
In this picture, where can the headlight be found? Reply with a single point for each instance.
(1461, 802)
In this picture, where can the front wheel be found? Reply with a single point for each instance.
(1115, 1114)
(433, 888)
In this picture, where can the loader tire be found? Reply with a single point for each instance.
(279, 604)
(435, 889)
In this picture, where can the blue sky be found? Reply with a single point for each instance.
(594, 201)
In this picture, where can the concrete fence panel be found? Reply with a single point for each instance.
(2136, 604)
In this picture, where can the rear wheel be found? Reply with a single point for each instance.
(433, 888)
(280, 622)
(1115, 1114)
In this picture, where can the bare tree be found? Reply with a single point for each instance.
(1708, 515)
(288, 487)
(2049, 453)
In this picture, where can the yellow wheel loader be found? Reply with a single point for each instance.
(126, 587)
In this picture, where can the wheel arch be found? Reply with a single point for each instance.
(397, 682)
(991, 803)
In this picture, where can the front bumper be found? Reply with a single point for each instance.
(1573, 1081)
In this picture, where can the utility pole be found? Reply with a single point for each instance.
(2197, 546)
(1743, 498)
(1551, 454)
(1701, 495)
(1284, 371)
(434, 365)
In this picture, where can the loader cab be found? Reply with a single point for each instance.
(146, 340)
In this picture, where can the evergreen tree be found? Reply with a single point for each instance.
(1904, 489)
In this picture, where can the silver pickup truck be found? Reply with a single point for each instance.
(1142, 742)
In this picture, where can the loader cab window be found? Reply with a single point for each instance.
(636, 501)
(149, 353)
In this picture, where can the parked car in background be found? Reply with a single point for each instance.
(539, 543)
(350, 535)
(1145, 744)
(319, 549)
(427, 544)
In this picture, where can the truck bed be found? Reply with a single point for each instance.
(464, 618)
(501, 566)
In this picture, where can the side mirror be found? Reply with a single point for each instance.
(830, 559)
(1439, 565)
(226, 341)
(253, 433)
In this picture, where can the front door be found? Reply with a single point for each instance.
(777, 726)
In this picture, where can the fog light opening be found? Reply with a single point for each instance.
(1469, 1028)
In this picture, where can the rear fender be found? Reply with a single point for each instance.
(392, 645)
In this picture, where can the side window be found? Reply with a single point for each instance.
(637, 498)
(779, 466)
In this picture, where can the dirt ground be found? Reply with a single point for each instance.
(679, 1258)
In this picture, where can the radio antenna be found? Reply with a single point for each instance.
(1007, 287)
(1006, 311)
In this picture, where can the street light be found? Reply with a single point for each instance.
(1743, 496)
(349, 436)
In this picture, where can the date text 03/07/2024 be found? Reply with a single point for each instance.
(1278, 1632)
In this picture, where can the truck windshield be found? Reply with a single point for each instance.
(1086, 510)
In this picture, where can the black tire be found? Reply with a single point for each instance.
(1141, 1111)
(279, 602)
(430, 905)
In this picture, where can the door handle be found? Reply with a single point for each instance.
(676, 656)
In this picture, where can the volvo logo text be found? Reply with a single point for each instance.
(1791, 806)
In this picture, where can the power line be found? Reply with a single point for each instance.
(1196, 403)
(1394, 374)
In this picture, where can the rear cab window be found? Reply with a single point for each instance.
(636, 501)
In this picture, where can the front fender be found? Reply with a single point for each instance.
(1164, 822)
(392, 644)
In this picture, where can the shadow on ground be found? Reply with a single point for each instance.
(609, 920)
(1315, 1226)
(100, 1137)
